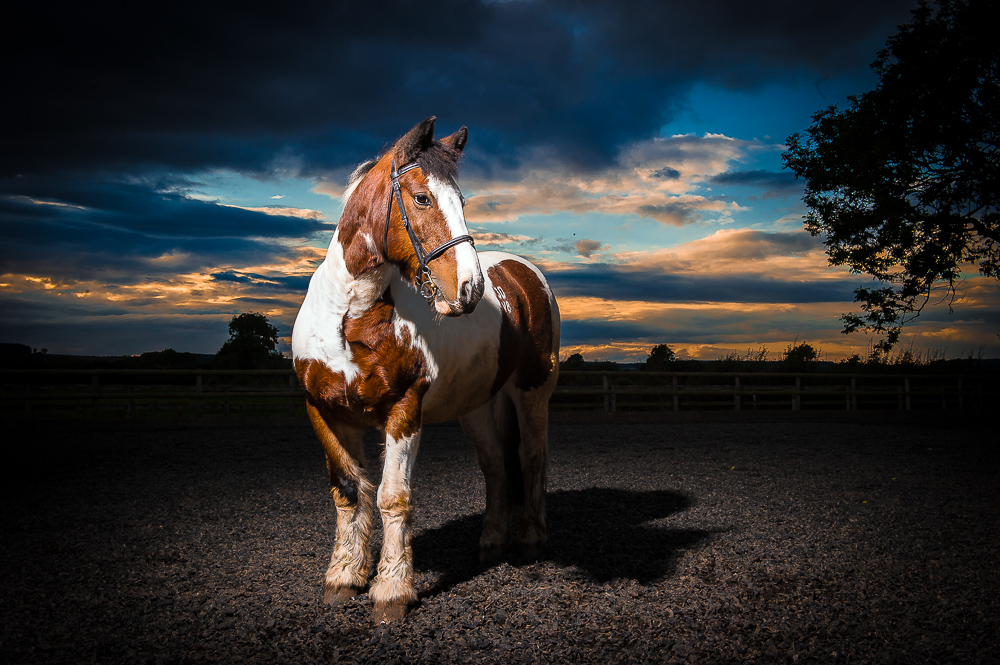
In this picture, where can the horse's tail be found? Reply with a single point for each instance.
(510, 435)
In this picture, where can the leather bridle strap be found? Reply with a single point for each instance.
(425, 283)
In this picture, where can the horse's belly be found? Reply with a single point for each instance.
(461, 388)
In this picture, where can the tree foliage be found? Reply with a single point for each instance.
(798, 356)
(660, 358)
(905, 183)
(252, 344)
(574, 363)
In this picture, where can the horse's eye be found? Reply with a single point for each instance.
(422, 200)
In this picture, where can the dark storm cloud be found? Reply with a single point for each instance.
(265, 282)
(677, 214)
(666, 173)
(773, 183)
(621, 283)
(80, 228)
(596, 332)
(591, 331)
(193, 85)
(754, 178)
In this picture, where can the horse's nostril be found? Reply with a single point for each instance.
(469, 295)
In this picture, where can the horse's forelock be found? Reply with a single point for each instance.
(440, 161)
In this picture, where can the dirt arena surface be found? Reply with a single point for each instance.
(679, 541)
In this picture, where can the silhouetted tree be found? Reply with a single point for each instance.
(660, 358)
(905, 183)
(573, 363)
(798, 356)
(252, 344)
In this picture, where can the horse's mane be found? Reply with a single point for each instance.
(356, 176)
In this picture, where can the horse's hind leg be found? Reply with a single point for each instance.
(481, 428)
(352, 493)
(533, 421)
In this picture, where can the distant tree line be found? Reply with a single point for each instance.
(252, 344)
(797, 357)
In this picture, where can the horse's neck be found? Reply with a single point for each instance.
(347, 294)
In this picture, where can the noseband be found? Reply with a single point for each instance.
(425, 283)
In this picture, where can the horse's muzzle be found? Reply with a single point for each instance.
(470, 292)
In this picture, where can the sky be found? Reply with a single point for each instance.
(165, 169)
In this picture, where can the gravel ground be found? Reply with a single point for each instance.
(718, 540)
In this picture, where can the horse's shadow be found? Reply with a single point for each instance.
(601, 532)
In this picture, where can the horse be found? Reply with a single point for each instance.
(393, 336)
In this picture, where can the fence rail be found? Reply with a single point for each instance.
(692, 391)
(133, 393)
(180, 392)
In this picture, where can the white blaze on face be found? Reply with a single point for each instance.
(449, 200)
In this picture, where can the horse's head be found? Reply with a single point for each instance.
(412, 189)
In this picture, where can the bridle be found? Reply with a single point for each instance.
(425, 283)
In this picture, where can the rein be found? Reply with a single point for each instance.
(425, 283)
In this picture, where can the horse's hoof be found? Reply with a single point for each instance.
(532, 552)
(338, 595)
(388, 612)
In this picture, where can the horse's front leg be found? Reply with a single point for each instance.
(393, 591)
(352, 494)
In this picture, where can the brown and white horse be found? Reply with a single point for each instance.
(393, 336)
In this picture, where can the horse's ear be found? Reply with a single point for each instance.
(457, 140)
(415, 142)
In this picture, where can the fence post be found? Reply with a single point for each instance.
(607, 397)
(197, 389)
(736, 393)
(854, 394)
(677, 398)
(95, 386)
(906, 390)
(291, 397)
(961, 396)
(27, 401)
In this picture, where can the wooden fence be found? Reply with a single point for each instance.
(700, 391)
(143, 393)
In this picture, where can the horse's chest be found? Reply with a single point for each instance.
(404, 370)
(388, 376)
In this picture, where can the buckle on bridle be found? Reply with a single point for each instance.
(426, 286)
